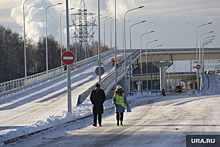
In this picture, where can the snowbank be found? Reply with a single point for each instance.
(80, 111)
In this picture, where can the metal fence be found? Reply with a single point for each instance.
(22, 83)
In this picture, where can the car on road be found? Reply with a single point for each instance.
(179, 88)
(211, 72)
(218, 71)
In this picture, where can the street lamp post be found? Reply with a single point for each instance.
(197, 73)
(200, 45)
(61, 33)
(131, 83)
(197, 38)
(146, 55)
(125, 46)
(146, 59)
(141, 59)
(25, 53)
(115, 47)
(68, 66)
(203, 44)
(99, 56)
(46, 36)
(199, 70)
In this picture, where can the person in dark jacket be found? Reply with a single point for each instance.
(97, 98)
(119, 101)
(163, 92)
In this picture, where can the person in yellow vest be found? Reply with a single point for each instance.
(119, 101)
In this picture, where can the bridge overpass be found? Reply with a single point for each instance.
(177, 54)
(163, 58)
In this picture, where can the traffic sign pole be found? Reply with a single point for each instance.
(68, 66)
(198, 76)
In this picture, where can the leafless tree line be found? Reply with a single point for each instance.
(12, 54)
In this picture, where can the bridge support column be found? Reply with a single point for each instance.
(194, 86)
(162, 77)
(162, 69)
(186, 86)
(139, 85)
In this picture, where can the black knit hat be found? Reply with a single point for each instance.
(97, 85)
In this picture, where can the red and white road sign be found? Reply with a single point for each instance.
(68, 57)
(198, 66)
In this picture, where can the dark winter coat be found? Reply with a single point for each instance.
(97, 98)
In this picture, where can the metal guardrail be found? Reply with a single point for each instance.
(22, 83)
(8, 87)
(105, 82)
(182, 50)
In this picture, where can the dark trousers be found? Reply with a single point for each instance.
(119, 116)
(99, 118)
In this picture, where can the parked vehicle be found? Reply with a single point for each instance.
(218, 71)
(179, 89)
(211, 72)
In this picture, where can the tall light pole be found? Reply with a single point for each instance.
(68, 66)
(141, 59)
(197, 73)
(197, 38)
(125, 47)
(200, 45)
(203, 44)
(183, 33)
(199, 70)
(146, 53)
(146, 58)
(131, 83)
(61, 32)
(25, 52)
(130, 32)
(104, 31)
(115, 46)
(99, 56)
(46, 35)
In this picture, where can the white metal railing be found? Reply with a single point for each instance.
(18, 84)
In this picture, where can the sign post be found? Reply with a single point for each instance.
(68, 67)
(198, 76)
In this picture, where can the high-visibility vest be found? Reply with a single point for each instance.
(120, 100)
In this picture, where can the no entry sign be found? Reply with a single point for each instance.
(198, 66)
(68, 57)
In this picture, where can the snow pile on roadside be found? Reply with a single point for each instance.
(80, 111)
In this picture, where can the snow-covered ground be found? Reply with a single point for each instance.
(38, 105)
(154, 121)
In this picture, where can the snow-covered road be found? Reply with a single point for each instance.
(155, 121)
(46, 99)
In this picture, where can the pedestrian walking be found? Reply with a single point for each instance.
(163, 92)
(119, 101)
(97, 98)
